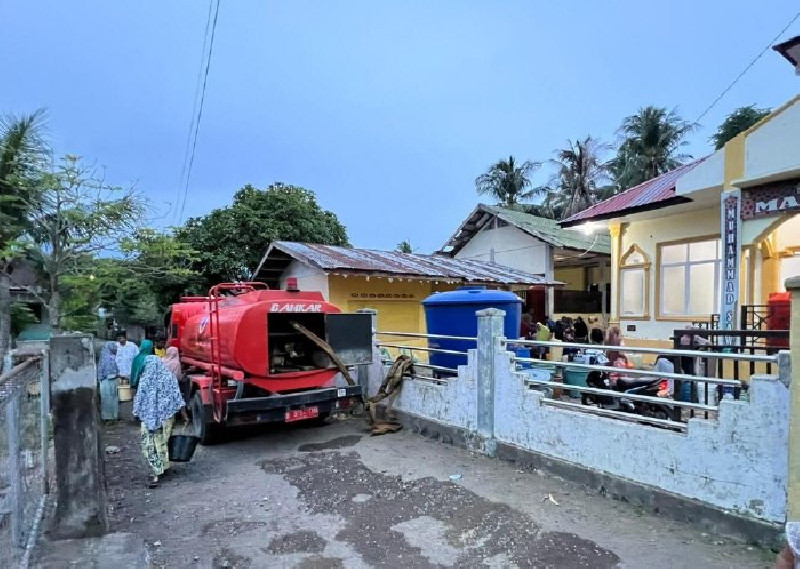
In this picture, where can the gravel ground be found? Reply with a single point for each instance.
(332, 496)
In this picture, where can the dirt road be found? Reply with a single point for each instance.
(332, 497)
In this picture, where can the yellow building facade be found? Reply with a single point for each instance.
(668, 252)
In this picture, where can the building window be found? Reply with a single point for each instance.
(689, 277)
(634, 284)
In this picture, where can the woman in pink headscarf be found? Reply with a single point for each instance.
(173, 362)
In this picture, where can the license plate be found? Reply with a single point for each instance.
(301, 414)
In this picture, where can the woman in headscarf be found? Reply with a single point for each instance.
(145, 349)
(107, 378)
(172, 361)
(157, 400)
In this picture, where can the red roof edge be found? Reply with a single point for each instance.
(658, 192)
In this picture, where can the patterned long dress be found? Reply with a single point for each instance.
(157, 401)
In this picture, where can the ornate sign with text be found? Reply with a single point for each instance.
(771, 199)
(731, 256)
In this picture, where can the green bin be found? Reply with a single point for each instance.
(573, 376)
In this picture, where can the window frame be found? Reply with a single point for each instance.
(643, 266)
(686, 316)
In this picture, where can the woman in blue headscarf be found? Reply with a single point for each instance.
(107, 378)
(157, 400)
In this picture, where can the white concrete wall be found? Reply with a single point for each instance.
(709, 174)
(512, 248)
(737, 463)
(308, 278)
(648, 234)
(454, 403)
(772, 147)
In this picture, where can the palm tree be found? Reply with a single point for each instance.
(405, 247)
(507, 182)
(651, 140)
(21, 149)
(737, 122)
(579, 176)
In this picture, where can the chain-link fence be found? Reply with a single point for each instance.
(25, 455)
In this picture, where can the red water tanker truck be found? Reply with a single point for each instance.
(245, 362)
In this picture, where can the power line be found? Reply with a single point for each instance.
(193, 115)
(199, 114)
(747, 68)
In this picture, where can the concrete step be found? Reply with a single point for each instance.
(111, 551)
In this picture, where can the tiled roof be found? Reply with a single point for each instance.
(333, 259)
(544, 229)
(644, 196)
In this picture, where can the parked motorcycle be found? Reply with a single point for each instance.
(633, 386)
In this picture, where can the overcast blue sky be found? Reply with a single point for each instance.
(388, 110)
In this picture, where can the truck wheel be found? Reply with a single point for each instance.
(204, 426)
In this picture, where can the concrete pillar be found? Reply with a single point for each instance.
(615, 231)
(375, 369)
(490, 331)
(80, 480)
(549, 274)
(793, 481)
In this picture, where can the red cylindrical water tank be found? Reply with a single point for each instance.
(778, 317)
(243, 326)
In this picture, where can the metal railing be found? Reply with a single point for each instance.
(439, 374)
(757, 344)
(665, 412)
(25, 456)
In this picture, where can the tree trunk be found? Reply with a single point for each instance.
(54, 308)
(5, 317)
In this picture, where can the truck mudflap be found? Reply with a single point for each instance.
(315, 403)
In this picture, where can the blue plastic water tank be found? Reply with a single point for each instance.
(453, 314)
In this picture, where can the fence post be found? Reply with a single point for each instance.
(490, 330)
(81, 495)
(793, 480)
(15, 489)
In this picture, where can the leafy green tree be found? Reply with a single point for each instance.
(580, 171)
(737, 122)
(148, 272)
(230, 242)
(22, 150)
(508, 182)
(405, 247)
(651, 142)
(74, 216)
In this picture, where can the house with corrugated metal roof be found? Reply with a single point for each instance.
(391, 282)
(711, 242)
(540, 246)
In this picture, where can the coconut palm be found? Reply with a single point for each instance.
(737, 122)
(580, 173)
(21, 149)
(650, 146)
(405, 247)
(508, 182)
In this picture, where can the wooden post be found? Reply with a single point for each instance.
(15, 489)
(793, 481)
(45, 421)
